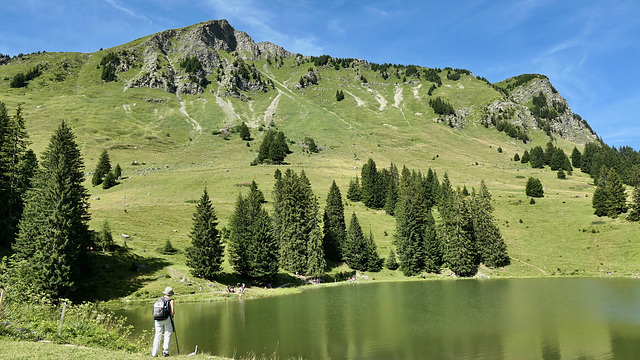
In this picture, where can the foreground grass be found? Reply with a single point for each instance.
(46, 350)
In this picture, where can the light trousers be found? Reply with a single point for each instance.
(160, 327)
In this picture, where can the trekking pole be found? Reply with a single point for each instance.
(175, 333)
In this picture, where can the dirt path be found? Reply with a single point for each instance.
(359, 101)
(533, 266)
(183, 110)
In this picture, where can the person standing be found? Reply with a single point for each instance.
(164, 325)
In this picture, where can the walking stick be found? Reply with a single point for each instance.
(176, 334)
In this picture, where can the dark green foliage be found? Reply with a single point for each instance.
(310, 145)
(191, 64)
(561, 174)
(245, 134)
(532, 201)
(536, 158)
(168, 248)
(102, 168)
(17, 169)
(205, 254)
(339, 95)
(411, 223)
(492, 250)
(516, 81)
(525, 157)
(534, 188)
(559, 160)
(391, 262)
(110, 180)
(108, 73)
(431, 188)
(53, 232)
(273, 148)
(295, 217)
(500, 149)
(335, 231)
(461, 254)
(104, 238)
(21, 80)
(359, 252)
(252, 245)
(634, 209)
(372, 192)
(117, 171)
(609, 198)
(576, 158)
(516, 157)
(441, 107)
(354, 193)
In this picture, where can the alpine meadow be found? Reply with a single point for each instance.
(197, 157)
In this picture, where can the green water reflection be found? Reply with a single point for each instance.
(464, 319)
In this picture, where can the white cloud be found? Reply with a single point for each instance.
(128, 11)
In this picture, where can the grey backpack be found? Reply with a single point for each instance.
(162, 308)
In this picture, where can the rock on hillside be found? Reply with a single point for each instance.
(162, 53)
(554, 116)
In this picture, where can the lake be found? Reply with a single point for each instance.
(557, 318)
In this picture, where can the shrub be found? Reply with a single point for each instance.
(534, 188)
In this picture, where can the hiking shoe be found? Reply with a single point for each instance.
(165, 354)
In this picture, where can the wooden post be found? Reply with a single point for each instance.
(64, 308)
(1, 300)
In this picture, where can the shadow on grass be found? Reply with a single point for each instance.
(116, 274)
(282, 279)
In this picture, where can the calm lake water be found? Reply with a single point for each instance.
(463, 319)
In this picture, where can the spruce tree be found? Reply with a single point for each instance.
(316, 262)
(525, 157)
(609, 198)
(371, 194)
(492, 250)
(102, 168)
(335, 230)
(374, 263)
(295, 216)
(634, 209)
(354, 192)
(205, 254)
(411, 223)
(431, 188)
(391, 263)
(17, 167)
(576, 157)
(117, 171)
(461, 251)
(534, 188)
(537, 158)
(355, 251)
(245, 134)
(53, 231)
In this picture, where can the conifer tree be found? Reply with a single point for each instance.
(252, 245)
(17, 167)
(53, 231)
(525, 157)
(634, 209)
(537, 158)
(335, 230)
(432, 188)
(245, 134)
(316, 262)
(391, 263)
(576, 157)
(371, 194)
(360, 253)
(411, 224)
(492, 250)
(295, 216)
(354, 192)
(117, 171)
(534, 188)
(609, 198)
(205, 254)
(102, 168)
(461, 251)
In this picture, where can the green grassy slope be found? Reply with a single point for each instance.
(385, 120)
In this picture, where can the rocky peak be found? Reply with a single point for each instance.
(163, 52)
(555, 116)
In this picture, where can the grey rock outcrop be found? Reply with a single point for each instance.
(163, 52)
(515, 109)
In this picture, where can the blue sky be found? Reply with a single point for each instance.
(589, 49)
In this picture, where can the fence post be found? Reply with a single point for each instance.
(1, 300)
(64, 308)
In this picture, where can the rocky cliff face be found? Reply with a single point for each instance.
(162, 53)
(555, 117)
